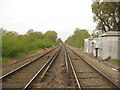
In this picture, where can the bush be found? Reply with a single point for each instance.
(14, 45)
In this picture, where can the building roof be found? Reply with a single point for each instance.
(111, 33)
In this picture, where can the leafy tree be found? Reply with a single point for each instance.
(59, 41)
(77, 39)
(10, 45)
(14, 45)
(51, 36)
(29, 31)
(107, 15)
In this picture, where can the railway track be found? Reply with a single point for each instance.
(40, 75)
(62, 68)
(71, 75)
(85, 74)
(20, 77)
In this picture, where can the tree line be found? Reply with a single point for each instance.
(14, 44)
(77, 39)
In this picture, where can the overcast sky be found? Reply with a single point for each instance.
(62, 16)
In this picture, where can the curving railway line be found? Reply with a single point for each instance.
(61, 67)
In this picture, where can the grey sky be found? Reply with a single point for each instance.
(62, 16)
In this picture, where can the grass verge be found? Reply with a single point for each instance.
(116, 61)
(20, 55)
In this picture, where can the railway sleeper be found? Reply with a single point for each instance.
(85, 72)
(88, 77)
(93, 86)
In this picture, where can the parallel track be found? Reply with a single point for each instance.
(86, 75)
(42, 72)
(8, 68)
(33, 73)
(70, 68)
(20, 76)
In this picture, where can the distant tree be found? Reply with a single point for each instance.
(10, 33)
(77, 39)
(51, 36)
(59, 41)
(95, 33)
(35, 35)
(107, 15)
(30, 31)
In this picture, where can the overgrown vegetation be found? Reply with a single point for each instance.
(77, 39)
(15, 45)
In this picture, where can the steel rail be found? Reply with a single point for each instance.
(73, 70)
(52, 59)
(46, 67)
(66, 64)
(24, 65)
(96, 69)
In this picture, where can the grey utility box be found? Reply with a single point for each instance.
(108, 45)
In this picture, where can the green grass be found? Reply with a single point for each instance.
(115, 60)
(34, 51)
(5, 59)
(20, 55)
